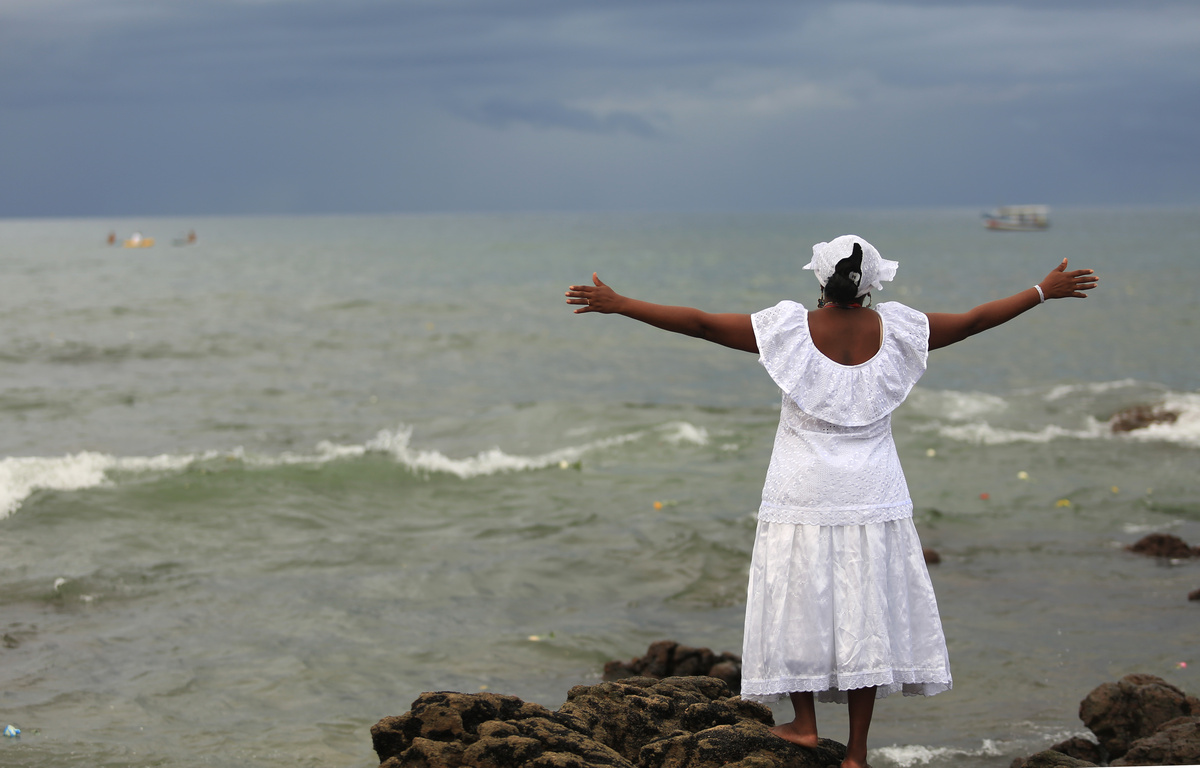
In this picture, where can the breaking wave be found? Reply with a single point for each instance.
(20, 477)
(1097, 411)
(907, 756)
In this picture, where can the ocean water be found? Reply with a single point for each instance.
(260, 491)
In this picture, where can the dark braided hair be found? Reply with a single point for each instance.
(842, 285)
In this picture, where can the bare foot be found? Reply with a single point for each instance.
(793, 734)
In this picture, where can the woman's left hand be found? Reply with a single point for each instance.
(594, 298)
(1060, 284)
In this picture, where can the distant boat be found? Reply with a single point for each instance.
(1018, 218)
(136, 240)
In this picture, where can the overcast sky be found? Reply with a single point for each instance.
(196, 107)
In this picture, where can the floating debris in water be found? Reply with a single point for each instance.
(1141, 417)
(12, 731)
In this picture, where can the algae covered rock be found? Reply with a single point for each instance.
(677, 722)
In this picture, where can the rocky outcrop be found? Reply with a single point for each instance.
(1138, 720)
(1051, 758)
(1176, 742)
(456, 729)
(694, 722)
(738, 746)
(667, 658)
(1133, 708)
(677, 722)
(1164, 545)
(1082, 749)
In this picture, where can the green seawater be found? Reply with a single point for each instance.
(259, 492)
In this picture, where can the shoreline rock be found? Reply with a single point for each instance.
(1139, 720)
(1140, 417)
(667, 658)
(1163, 545)
(676, 722)
(1133, 708)
(695, 722)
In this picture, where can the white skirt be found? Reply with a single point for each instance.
(831, 609)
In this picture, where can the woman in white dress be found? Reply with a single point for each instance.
(839, 602)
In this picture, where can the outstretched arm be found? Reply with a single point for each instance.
(946, 329)
(730, 330)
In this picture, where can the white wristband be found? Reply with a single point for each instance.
(1041, 296)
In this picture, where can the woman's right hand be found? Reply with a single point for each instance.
(594, 298)
(728, 330)
(1060, 284)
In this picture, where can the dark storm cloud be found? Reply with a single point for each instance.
(129, 49)
(140, 49)
(307, 105)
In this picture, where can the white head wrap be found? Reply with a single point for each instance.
(875, 268)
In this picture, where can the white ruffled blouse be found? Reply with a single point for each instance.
(834, 461)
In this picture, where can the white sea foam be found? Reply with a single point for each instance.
(961, 406)
(968, 410)
(957, 406)
(1095, 388)
(22, 476)
(489, 462)
(982, 433)
(678, 432)
(909, 755)
(1134, 529)
(1184, 430)
(915, 754)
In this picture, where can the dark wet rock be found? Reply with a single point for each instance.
(1164, 545)
(730, 673)
(629, 714)
(1139, 720)
(440, 727)
(677, 722)
(746, 744)
(1176, 742)
(931, 556)
(667, 658)
(1082, 749)
(1133, 708)
(1050, 759)
(1140, 417)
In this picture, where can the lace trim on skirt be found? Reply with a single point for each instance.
(833, 687)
